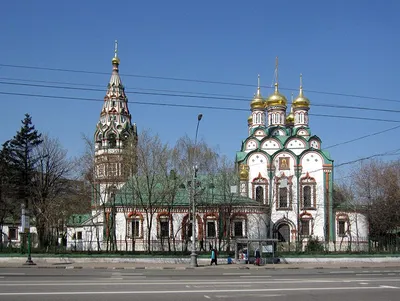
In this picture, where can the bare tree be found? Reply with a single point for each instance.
(50, 187)
(377, 185)
(148, 182)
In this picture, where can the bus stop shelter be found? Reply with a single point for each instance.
(266, 246)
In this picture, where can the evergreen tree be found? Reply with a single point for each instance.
(8, 208)
(19, 152)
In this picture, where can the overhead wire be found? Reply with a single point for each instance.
(192, 80)
(194, 96)
(209, 95)
(186, 105)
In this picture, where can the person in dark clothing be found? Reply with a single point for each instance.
(213, 256)
(257, 256)
(202, 245)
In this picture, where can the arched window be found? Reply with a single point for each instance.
(112, 141)
(308, 192)
(283, 191)
(284, 233)
(307, 196)
(259, 194)
(99, 141)
(283, 197)
(134, 226)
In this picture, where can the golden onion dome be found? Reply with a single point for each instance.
(290, 118)
(301, 101)
(258, 103)
(250, 120)
(276, 99)
(244, 173)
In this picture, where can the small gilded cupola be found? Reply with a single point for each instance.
(276, 104)
(300, 106)
(290, 116)
(257, 105)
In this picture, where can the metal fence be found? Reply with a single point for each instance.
(311, 245)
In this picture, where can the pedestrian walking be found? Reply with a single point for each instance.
(257, 255)
(214, 256)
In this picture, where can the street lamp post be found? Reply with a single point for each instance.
(193, 256)
(25, 225)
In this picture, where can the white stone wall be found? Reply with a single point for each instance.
(256, 227)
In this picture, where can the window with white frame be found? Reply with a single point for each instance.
(133, 225)
(164, 226)
(211, 229)
(305, 227)
(238, 228)
(260, 189)
(342, 225)
(283, 197)
(308, 192)
(259, 194)
(307, 196)
(13, 233)
(283, 190)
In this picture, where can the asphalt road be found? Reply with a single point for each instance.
(191, 285)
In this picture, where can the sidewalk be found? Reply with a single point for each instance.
(184, 264)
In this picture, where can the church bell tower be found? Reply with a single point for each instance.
(113, 131)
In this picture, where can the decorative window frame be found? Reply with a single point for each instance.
(278, 181)
(259, 181)
(185, 224)
(306, 217)
(210, 217)
(162, 216)
(239, 217)
(134, 216)
(307, 180)
(342, 217)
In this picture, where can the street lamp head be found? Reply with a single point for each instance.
(199, 117)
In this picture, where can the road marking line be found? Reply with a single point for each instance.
(341, 272)
(369, 274)
(192, 291)
(238, 274)
(208, 297)
(255, 276)
(224, 285)
(387, 286)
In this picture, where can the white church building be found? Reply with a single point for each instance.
(285, 187)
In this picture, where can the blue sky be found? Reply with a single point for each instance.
(345, 47)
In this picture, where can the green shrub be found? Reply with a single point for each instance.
(314, 246)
